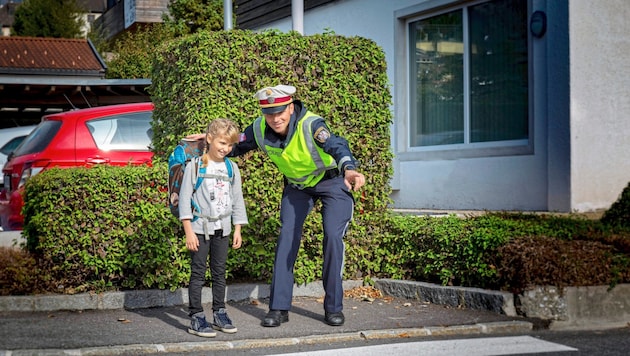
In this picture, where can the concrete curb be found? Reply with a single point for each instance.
(487, 328)
(138, 299)
(470, 298)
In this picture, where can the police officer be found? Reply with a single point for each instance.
(317, 165)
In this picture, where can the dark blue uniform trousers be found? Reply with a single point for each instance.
(337, 209)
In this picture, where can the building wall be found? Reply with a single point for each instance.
(126, 14)
(496, 183)
(600, 107)
(578, 160)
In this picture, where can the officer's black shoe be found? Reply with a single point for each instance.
(334, 319)
(275, 318)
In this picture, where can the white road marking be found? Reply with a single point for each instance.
(469, 347)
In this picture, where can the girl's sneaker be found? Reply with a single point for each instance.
(222, 322)
(199, 326)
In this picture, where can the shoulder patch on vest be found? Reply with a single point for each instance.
(322, 134)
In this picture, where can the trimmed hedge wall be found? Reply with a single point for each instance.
(215, 74)
(110, 227)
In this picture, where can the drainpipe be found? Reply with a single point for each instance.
(227, 14)
(297, 14)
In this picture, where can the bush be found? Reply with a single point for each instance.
(20, 274)
(81, 239)
(511, 251)
(104, 227)
(618, 216)
(209, 75)
(542, 260)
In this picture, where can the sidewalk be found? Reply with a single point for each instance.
(164, 328)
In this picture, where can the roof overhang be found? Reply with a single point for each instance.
(33, 95)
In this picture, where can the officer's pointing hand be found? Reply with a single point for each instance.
(354, 178)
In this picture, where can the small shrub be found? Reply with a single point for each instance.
(618, 216)
(541, 260)
(19, 274)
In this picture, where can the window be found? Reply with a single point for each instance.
(469, 76)
(39, 139)
(122, 132)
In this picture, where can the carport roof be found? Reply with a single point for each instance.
(41, 75)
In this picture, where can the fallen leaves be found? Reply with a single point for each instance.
(365, 293)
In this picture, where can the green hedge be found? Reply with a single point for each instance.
(110, 227)
(104, 227)
(215, 74)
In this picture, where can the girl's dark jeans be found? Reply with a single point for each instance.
(217, 248)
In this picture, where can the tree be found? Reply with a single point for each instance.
(48, 18)
(190, 16)
(126, 55)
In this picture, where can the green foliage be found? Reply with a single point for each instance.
(45, 18)
(190, 16)
(455, 251)
(110, 228)
(104, 227)
(495, 250)
(214, 74)
(618, 215)
(132, 51)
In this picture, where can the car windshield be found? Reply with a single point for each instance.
(11, 145)
(39, 139)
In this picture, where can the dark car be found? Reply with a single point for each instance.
(115, 135)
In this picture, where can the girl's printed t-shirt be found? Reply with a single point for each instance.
(219, 191)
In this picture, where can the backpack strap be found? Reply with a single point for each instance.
(198, 172)
(228, 165)
(201, 172)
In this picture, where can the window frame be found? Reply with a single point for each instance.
(403, 100)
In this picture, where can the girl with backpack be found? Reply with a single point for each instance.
(210, 202)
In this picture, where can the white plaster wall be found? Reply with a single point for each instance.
(600, 101)
(374, 19)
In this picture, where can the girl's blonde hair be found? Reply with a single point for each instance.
(220, 127)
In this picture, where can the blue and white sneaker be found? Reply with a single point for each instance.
(222, 322)
(199, 326)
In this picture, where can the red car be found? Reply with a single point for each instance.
(115, 135)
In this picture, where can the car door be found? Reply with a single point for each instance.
(117, 139)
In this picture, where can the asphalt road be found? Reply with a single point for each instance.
(611, 342)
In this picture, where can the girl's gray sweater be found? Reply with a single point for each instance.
(205, 193)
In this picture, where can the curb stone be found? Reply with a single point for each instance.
(498, 327)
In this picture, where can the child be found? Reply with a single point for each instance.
(216, 204)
